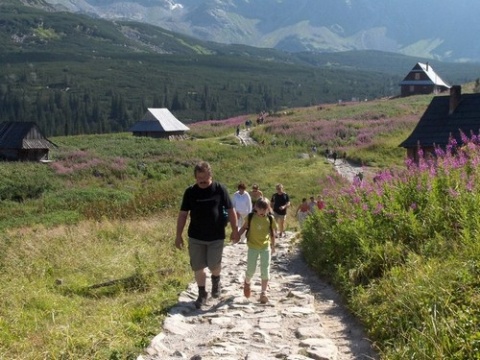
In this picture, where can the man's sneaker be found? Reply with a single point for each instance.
(263, 298)
(216, 287)
(246, 290)
(201, 300)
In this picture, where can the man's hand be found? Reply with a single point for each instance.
(179, 242)
(235, 236)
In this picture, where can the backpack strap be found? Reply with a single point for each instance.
(249, 220)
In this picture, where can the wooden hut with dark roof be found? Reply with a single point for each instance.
(23, 141)
(446, 117)
(159, 123)
(422, 79)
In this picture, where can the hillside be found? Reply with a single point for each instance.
(73, 74)
(422, 29)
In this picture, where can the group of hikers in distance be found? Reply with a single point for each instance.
(307, 208)
(253, 218)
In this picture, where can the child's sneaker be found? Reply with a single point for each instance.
(246, 290)
(263, 298)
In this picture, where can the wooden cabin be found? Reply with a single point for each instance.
(159, 123)
(23, 141)
(421, 80)
(446, 117)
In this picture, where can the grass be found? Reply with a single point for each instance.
(89, 266)
(54, 301)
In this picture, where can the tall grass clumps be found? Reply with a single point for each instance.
(404, 251)
(87, 291)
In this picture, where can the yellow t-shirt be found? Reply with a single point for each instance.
(258, 236)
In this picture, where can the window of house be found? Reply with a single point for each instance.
(417, 76)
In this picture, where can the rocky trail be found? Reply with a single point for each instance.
(304, 318)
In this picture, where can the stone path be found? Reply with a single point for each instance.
(346, 169)
(245, 138)
(304, 318)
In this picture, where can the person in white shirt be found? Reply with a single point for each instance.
(242, 203)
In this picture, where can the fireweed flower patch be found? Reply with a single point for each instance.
(401, 248)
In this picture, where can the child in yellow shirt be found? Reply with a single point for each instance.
(261, 244)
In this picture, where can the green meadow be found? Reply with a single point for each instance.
(87, 257)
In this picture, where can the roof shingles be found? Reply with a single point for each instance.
(436, 125)
(22, 135)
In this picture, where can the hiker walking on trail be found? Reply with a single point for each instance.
(280, 201)
(242, 203)
(312, 205)
(303, 211)
(320, 203)
(205, 202)
(261, 244)
(255, 194)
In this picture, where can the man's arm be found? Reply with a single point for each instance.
(181, 221)
(232, 217)
(287, 205)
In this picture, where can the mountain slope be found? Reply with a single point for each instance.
(75, 74)
(428, 28)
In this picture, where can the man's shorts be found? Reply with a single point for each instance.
(205, 254)
(278, 216)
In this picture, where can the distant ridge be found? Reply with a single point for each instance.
(428, 29)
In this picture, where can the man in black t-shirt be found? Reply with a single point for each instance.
(280, 202)
(205, 201)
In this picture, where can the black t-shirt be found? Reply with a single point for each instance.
(280, 200)
(206, 211)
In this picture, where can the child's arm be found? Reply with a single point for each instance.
(272, 241)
